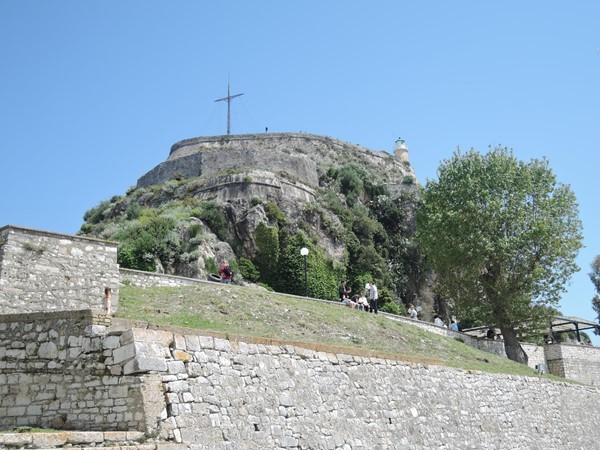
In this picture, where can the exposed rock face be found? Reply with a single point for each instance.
(282, 167)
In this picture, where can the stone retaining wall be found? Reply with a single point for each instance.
(203, 392)
(64, 370)
(232, 394)
(150, 279)
(43, 271)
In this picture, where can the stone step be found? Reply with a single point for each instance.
(123, 440)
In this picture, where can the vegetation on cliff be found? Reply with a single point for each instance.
(595, 278)
(167, 228)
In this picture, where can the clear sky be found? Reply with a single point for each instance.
(93, 94)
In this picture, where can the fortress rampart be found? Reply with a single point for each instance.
(297, 155)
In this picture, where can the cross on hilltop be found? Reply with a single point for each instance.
(228, 99)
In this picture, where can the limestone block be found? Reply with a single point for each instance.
(175, 367)
(206, 342)
(118, 391)
(180, 342)
(144, 365)
(192, 343)
(111, 342)
(15, 439)
(124, 353)
(85, 437)
(48, 440)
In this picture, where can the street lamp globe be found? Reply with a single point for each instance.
(304, 251)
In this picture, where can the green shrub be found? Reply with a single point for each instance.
(214, 218)
(267, 255)
(153, 239)
(274, 214)
(211, 265)
(86, 228)
(391, 308)
(194, 230)
(134, 211)
(97, 213)
(248, 270)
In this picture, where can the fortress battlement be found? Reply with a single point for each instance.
(299, 155)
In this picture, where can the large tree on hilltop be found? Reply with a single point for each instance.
(595, 277)
(502, 236)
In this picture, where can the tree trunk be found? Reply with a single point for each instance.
(513, 348)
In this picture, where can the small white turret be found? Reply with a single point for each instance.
(401, 150)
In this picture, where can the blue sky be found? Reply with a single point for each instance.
(93, 94)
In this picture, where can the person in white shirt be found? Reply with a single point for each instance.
(412, 312)
(363, 303)
(373, 297)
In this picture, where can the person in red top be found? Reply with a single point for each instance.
(226, 273)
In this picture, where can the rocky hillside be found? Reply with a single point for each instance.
(255, 200)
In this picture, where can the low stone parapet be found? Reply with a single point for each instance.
(76, 439)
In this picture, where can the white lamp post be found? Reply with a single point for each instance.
(304, 253)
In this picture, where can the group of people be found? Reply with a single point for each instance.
(367, 300)
(440, 323)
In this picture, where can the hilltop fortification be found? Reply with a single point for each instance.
(296, 156)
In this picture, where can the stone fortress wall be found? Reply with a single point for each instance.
(78, 369)
(292, 155)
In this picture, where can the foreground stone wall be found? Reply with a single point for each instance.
(233, 394)
(63, 370)
(73, 370)
(42, 271)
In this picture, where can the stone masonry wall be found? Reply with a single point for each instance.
(42, 271)
(224, 394)
(150, 279)
(64, 370)
(73, 370)
(575, 362)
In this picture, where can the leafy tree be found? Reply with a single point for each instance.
(266, 259)
(595, 277)
(321, 274)
(501, 236)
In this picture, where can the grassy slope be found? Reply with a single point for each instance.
(238, 312)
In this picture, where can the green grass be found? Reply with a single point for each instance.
(238, 312)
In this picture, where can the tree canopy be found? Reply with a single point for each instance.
(595, 277)
(502, 236)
